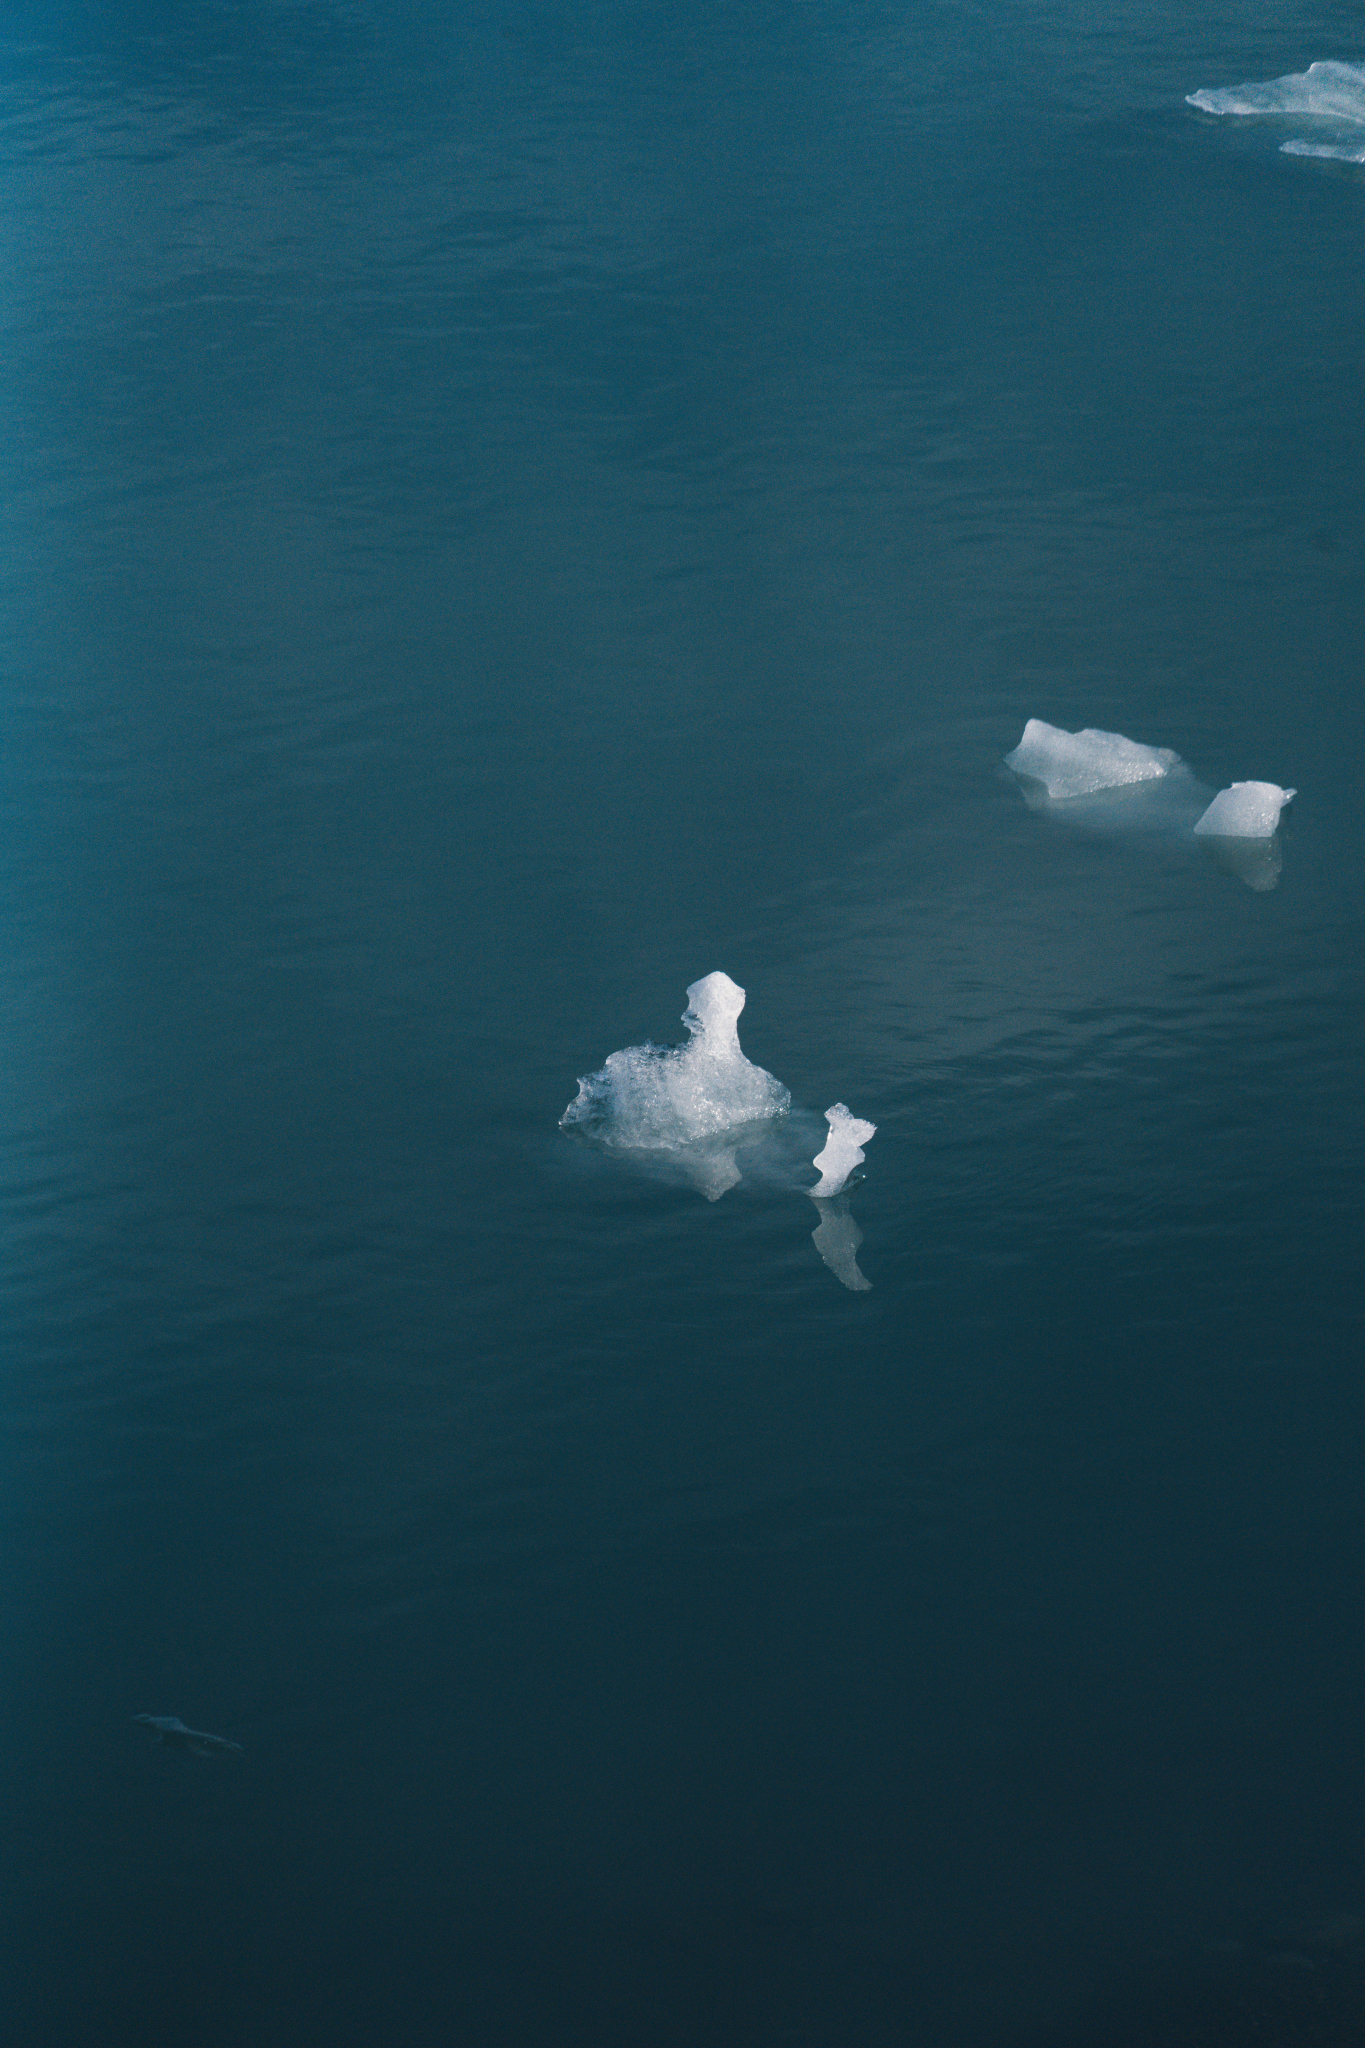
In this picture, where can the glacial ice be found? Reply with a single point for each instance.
(836, 1237)
(1246, 810)
(175, 1735)
(671, 1099)
(842, 1151)
(1329, 93)
(1070, 764)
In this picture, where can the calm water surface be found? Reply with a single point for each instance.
(505, 512)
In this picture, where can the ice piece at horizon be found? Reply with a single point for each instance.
(836, 1237)
(1079, 763)
(842, 1151)
(1328, 92)
(653, 1098)
(1245, 810)
(173, 1734)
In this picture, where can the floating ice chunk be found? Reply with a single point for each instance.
(175, 1735)
(1329, 93)
(656, 1098)
(836, 1237)
(1078, 763)
(847, 1134)
(1248, 810)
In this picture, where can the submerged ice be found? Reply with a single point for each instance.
(1329, 94)
(670, 1098)
(1257, 862)
(842, 1151)
(837, 1237)
(1070, 764)
(171, 1731)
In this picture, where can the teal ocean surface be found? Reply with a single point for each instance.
(508, 513)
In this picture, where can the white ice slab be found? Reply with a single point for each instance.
(1247, 810)
(1070, 764)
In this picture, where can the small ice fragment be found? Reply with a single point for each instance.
(1078, 763)
(1248, 810)
(665, 1098)
(175, 1735)
(847, 1135)
(836, 1237)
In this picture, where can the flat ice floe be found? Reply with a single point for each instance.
(1329, 94)
(681, 1099)
(1071, 764)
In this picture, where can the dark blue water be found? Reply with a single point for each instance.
(505, 512)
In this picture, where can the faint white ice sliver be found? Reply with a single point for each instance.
(1328, 91)
(1352, 154)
